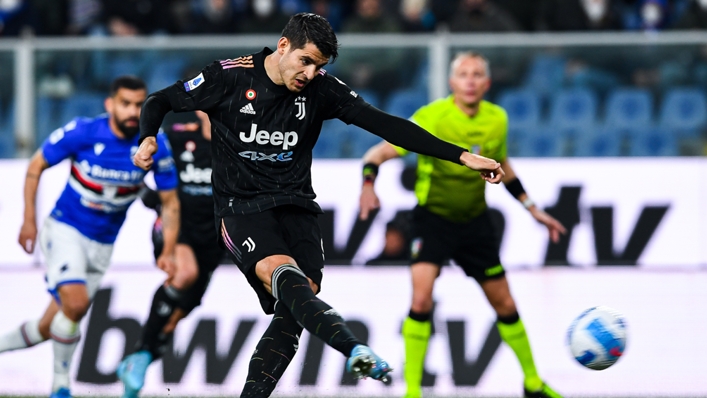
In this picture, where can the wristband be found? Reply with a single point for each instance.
(528, 203)
(515, 187)
(370, 171)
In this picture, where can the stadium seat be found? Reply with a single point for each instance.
(684, 111)
(331, 140)
(126, 66)
(629, 108)
(573, 109)
(7, 130)
(541, 142)
(359, 141)
(598, 142)
(514, 140)
(404, 103)
(370, 96)
(545, 74)
(85, 104)
(47, 119)
(653, 142)
(165, 73)
(522, 106)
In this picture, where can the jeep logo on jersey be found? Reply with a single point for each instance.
(262, 137)
(273, 157)
(195, 174)
(301, 111)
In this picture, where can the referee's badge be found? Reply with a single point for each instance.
(476, 149)
(415, 247)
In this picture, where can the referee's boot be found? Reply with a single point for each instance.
(132, 372)
(61, 393)
(363, 363)
(544, 392)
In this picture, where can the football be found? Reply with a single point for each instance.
(597, 338)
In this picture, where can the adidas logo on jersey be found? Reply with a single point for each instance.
(248, 109)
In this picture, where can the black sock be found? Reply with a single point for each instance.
(291, 287)
(272, 354)
(509, 319)
(163, 305)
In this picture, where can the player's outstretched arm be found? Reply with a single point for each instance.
(373, 158)
(414, 138)
(170, 231)
(28, 231)
(513, 185)
(153, 111)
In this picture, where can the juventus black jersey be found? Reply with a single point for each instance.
(262, 133)
(192, 156)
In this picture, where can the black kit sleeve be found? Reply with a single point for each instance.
(406, 134)
(202, 92)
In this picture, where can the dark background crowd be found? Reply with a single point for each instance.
(147, 17)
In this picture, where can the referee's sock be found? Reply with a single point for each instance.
(417, 329)
(291, 287)
(273, 354)
(513, 333)
(24, 336)
(164, 302)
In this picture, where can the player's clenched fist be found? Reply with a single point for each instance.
(28, 235)
(143, 156)
(490, 169)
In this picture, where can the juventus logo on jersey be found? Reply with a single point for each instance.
(301, 111)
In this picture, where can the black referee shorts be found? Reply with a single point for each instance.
(208, 253)
(288, 230)
(472, 245)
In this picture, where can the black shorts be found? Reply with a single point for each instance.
(473, 245)
(288, 230)
(208, 252)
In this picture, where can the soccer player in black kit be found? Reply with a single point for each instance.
(197, 253)
(266, 111)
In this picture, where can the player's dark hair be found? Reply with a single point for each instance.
(127, 81)
(306, 28)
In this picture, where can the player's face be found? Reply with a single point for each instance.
(299, 66)
(124, 109)
(469, 81)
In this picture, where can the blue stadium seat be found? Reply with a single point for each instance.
(514, 141)
(370, 96)
(359, 141)
(573, 109)
(165, 73)
(598, 142)
(6, 131)
(653, 142)
(546, 74)
(85, 104)
(522, 106)
(541, 142)
(125, 66)
(47, 119)
(629, 108)
(404, 103)
(331, 140)
(684, 111)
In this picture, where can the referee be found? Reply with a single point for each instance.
(452, 221)
(266, 110)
